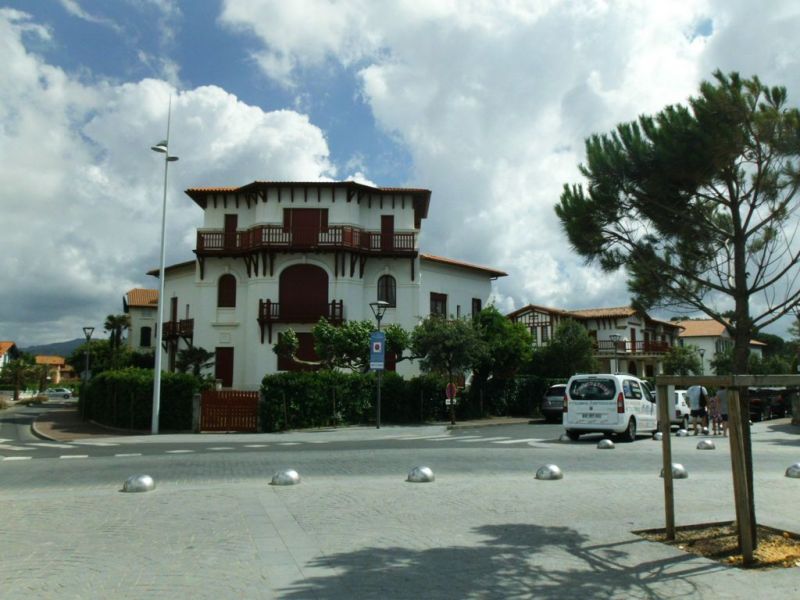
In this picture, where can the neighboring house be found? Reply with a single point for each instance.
(8, 352)
(711, 337)
(277, 255)
(141, 305)
(57, 368)
(625, 340)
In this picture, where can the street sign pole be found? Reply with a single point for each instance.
(377, 341)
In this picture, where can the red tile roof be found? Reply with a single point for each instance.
(5, 347)
(143, 298)
(701, 328)
(42, 359)
(464, 265)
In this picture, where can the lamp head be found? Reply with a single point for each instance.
(88, 331)
(161, 146)
(379, 308)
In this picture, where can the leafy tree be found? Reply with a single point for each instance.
(345, 346)
(115, 326)
(775, 344)
(100, 357)
(698, 202)
(507, 345)
(683, 360)
(20, 372)
(194, 359)
(569, 351)
(447, 346)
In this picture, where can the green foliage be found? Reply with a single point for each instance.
(20, 372)
(507, 346)
(683, 360)
(124, 398)
(115, 326)
(101, 357)
(194, 359)
(674, 197)
(318, 399)
(570, 351)
(518, 396)
(447, 346)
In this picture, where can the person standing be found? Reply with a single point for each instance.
(722, 402)
(714, 414)
(697, 396)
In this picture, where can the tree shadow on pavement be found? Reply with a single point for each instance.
(514, 561)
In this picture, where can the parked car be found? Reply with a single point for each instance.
(681, 411)
(59, 393)
(767, 403)
(608, 403)
(553, 403)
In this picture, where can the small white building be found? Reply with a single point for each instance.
(278, 255)
(141, 305)
(625, 340)
(711, 337)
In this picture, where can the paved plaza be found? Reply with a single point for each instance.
(486, 528)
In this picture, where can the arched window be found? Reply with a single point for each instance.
(144, 337)
(386, 289)
(226, 291)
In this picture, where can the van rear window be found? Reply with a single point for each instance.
(592, 389)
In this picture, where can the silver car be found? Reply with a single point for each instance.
(59, 393)
(553, 403)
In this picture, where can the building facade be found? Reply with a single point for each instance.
(141, 305)
(625, 340)
(277, 255)
(711, 337)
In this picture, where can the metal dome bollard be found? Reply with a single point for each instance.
(605, 445)
(549, 472)
(420, 475)
(564, 438)
(658, 436)
(682, 433)
(286, 477)
(678, 471)
(139, 483)
(706, 445)
(793, 471)
(705, 430)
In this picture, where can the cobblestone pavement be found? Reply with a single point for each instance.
(214, 528)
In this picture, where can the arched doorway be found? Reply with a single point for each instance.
(303, 293)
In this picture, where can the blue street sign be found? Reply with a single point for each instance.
(377, 341)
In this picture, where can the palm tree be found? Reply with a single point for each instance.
(194, 358)
(18, 372)
(115, 325)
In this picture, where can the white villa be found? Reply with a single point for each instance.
(275, 255)
(625, 340)
(711, 337)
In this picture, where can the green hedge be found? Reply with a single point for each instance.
(323, 398)
(517, 397)
(124, 399)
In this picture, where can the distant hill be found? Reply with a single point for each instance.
(57, 349)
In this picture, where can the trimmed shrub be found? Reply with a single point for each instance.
(317, 399)
(518, 397)
(124, 399)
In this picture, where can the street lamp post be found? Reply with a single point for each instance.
(378, 309)
(87, 332)
(614, 339)
(163, 148)
(702, 361)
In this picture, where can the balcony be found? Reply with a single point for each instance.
(175, 329)
(275, 237)
(274, 312)
(606, 347)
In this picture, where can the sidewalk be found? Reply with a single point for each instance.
(65, 425)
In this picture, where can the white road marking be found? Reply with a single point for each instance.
(82, 443)
(289, 443)
(49, 445)
(131, 454)
(423, 437)
(487, 439)
(74, 456)
(221, 448)
(459, 437)
(5, 458)
(179, 451)
(256, 445)
(520, 441)
(14, 448)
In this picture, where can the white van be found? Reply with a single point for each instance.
(609, 403)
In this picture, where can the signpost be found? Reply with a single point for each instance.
(377, 343)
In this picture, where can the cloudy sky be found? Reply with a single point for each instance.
(486, 103)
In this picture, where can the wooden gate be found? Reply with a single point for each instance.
(229, 410)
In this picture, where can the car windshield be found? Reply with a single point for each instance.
(592, 389)
(556, 390)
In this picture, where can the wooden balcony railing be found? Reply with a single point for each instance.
(626, 347)
(334, 237)
(270, 312)
(175, 329)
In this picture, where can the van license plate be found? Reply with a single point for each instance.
(588, 415)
